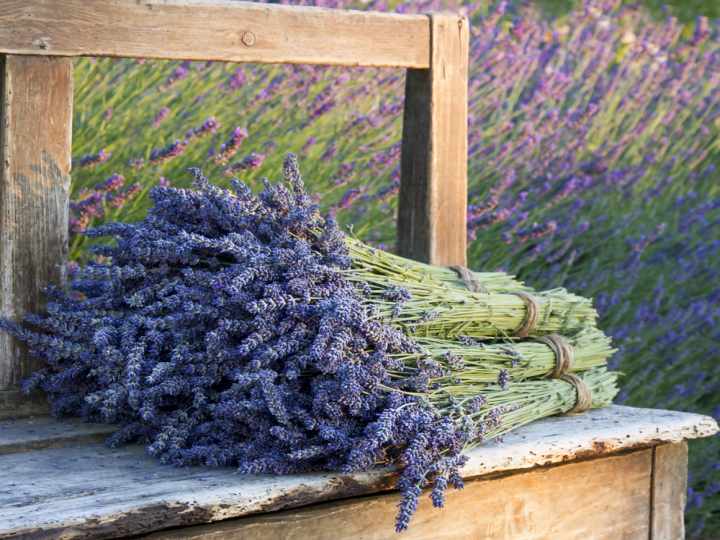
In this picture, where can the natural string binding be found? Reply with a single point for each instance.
(532, 310)
(563, 351)
(564, 356)
(584, 396)
(468, 278)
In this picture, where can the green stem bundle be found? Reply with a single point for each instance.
(383, 263)
(483, 361)
(485, 374)
(523, 402)
(438, 307)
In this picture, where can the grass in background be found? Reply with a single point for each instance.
(594, 147)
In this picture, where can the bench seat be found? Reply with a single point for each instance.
(58, 480)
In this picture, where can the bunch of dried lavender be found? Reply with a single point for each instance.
(233, 328)
(434, 301)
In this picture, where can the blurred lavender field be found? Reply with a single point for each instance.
(594, 147)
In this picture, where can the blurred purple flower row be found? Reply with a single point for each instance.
(91, 206)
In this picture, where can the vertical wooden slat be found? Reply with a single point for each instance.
(669, 489)
(433, 190)
(35, 134)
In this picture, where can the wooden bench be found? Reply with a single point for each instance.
(613, 473)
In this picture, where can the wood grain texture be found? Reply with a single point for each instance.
(105, 492)
(224, 30)
(669, 489)
(35, 133)
(45, 432)
(433, 189)
(603, 499)
(16, 404)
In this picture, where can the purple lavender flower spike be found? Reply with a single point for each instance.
(237, 80)
(248, 163)
(161, 115)
(211, 125)
(174, 149)
(112, 183)
(229, 148)
(93, 159)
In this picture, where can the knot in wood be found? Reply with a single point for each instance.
(248, 39)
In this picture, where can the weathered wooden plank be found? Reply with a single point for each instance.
(596, 432)
(223, 30)
(35, 133)
(107, 492)
(16, 404)
(44, 432)
(669, 488)
(603, 499)
(98, 492)
(433, 189)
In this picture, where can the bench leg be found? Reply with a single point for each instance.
(668, 492)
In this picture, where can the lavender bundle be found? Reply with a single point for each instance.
(470, 361)
(369, 260)
(229, 328)
(434, 301)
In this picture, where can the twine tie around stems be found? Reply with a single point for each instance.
(563, 354)
(467, 277)
(584, 396)
(561, 348)
(563, 364)
(532, 309)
